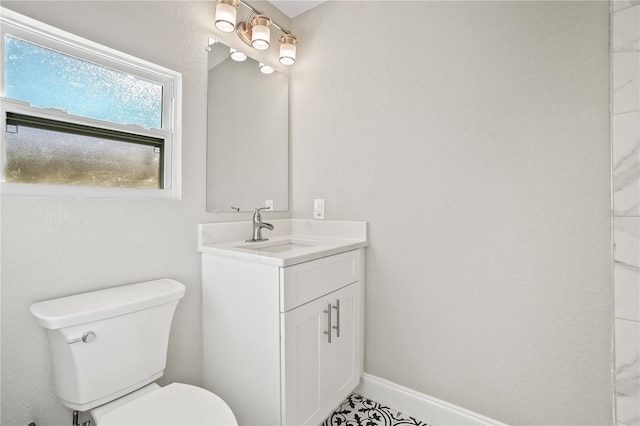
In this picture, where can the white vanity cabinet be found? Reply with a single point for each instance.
(318, 373)
(283, 345)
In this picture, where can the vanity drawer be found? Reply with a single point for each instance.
(307, 281)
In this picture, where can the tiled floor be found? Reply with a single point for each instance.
(357, 410)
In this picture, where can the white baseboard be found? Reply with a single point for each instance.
(418, 405)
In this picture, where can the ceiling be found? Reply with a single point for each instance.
(293, 8)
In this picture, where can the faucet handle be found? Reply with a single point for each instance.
(257, 215)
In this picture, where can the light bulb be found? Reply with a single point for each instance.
(260, 37)
(260, 32)
(237, 55)
(225, 17)
(288, 49)
(265, 69)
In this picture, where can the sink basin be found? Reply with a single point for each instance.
(283, 247)
(277, 246)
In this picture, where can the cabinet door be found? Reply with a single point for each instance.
(304, 362)
(344, 351)
(319, 372)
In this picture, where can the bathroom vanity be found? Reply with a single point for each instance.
(283, 319)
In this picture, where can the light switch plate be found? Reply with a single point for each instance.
(269, 203)
(318, 208)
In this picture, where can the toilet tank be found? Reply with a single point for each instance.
(107, 343)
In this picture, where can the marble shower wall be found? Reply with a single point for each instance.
(625, 123)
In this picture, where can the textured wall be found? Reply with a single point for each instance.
(56, 247)
(474, 138)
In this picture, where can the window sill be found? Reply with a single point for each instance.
(27, 190)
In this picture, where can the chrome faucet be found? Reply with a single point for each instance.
(258, 224)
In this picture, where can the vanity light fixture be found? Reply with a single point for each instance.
(226, 15)
(265, 69)
(260, 32)
(255, 31)
(288, 49)
(237, 55)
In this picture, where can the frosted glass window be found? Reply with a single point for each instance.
(48, 152)
(79, 119)
(49, 79)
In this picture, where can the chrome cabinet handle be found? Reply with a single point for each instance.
(87, 337)
(337, 308)
(328, 312)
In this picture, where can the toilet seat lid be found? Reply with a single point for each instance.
(174, 404)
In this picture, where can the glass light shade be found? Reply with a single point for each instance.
(260, 35)
(265, 69)
(237, 55)
(287, 54)
(225, 17)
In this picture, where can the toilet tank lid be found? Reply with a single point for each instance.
(97, 305)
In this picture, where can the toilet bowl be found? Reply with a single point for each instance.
(109, 346)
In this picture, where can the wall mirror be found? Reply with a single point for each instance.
(247, 135)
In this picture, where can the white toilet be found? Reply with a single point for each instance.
(109, 346)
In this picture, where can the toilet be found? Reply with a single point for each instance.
(109, 346)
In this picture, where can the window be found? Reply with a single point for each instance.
(52, 152)
(49, 79)
(80, 119)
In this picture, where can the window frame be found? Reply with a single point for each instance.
(48, 37)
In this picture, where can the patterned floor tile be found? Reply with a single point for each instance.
(357, 410)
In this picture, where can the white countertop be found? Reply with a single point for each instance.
(295, 241)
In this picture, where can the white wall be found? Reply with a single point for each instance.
(56, 247)
(474, 138)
